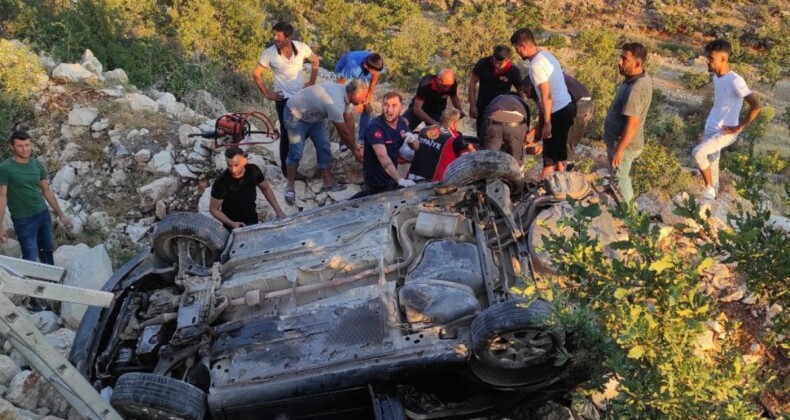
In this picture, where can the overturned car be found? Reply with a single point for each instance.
(391, 306)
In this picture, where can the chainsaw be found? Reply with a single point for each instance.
(235, 129)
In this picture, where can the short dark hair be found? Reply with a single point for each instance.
(502, 52)
(374, 61)
(637, 50)
(719, 45)
(18, 135)
(393, 94)
(522, 36)
(286, 28)
(233, 151)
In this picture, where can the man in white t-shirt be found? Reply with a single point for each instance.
(557, 109)
(286, 60)
(305, 116)
(723, 125)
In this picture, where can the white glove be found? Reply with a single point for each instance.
(405, 183)
(411, 137)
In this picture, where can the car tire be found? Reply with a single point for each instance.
(206, 237)
(484, 164)
(150, 396)
(511, 344)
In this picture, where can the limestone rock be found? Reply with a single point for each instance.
(90, 270)
(349, 192)
(46, 321)
(91, 63)
(183, 171)
(8, 411)
(161, 163)
(83, 116)
(23, 391)
(99, 220)
(160, 210)
(116, 76)
(11, 248)
(8, 370)
(142, 156)
(64, 255)
(203, 103)
(64, 180)
(138, 102)
(61, 340)
(780, 223)
(48, 63)
(74, 73)
(157, 190)
(136, 232)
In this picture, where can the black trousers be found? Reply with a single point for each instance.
(280, 105)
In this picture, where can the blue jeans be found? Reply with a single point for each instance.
(364, 120)
(622, 173)
(298, 132)
(35, 237)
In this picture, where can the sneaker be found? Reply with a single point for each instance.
(290, 197)
(709, 193)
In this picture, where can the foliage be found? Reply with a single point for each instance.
(760, 126)
(555, 41)
(650, 302)
(21, 76)
(669, 130)
(752, 170)
(695, 79)
(485, 25)
(595, 68)
(786, 117)
(585, 165)
(405, 52)
(658, 168)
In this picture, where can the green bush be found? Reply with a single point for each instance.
(752, 170)
(595, 67)
(650, 303)
(485, 25)
(658, 169)
(21, 75)
(695, 79)
(555, 41)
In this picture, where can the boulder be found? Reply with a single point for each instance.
(48, 63)
(83, 116)
(161, 163)
(309, 160)
(169, 103)
(73, 73)
(91, 63)
(138, 102)
(349, 192)
(73, 132)
(142, 156)
(89, 270)
(64, 181)
(157, 190)
(10, 247)
(8, 411)
(136, 232)
(183, 171)
(203, 103)
(183, 135)
(100, 125)
(8, 370)
(116, 76)
(99, 220)
(61, 340)
(23, 391)
(46, 321)
(780, 223)
(66, 254)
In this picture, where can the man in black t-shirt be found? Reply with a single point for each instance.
(431, 99)
(233, 193)
(505, 125)
(496, 75)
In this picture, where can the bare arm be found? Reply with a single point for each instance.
(374, 80)
(53, 202)
(313, 59)
(545, 108)
(266, 189)
(472, 88)
(457, 104)
(215, 208)
(386, 162)
(257, 76)
(346, 132)
(418, 111)
(631, 125)
(754, 111)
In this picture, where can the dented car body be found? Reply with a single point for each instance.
(391, 306)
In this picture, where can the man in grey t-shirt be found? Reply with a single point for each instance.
(624, 131)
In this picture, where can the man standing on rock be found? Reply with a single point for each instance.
(361, 65)
(286, 59)
(24, 188)
(306, 115)
(723, 125)
(557, 110)
(624, 127)
(495, 75)
(233, 193)
(431, 99)
(383, 140)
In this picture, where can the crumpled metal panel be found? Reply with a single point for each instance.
(450, 261)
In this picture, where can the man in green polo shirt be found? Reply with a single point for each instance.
(24, 187)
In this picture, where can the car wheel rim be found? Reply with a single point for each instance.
(193, 248)
(520, 348)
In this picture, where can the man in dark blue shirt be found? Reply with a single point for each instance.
(383, 140)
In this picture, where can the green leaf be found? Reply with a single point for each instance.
(621, 245)
(620, 293)
(636, 352)
(707, 262)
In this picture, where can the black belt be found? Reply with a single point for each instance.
(508, 124)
